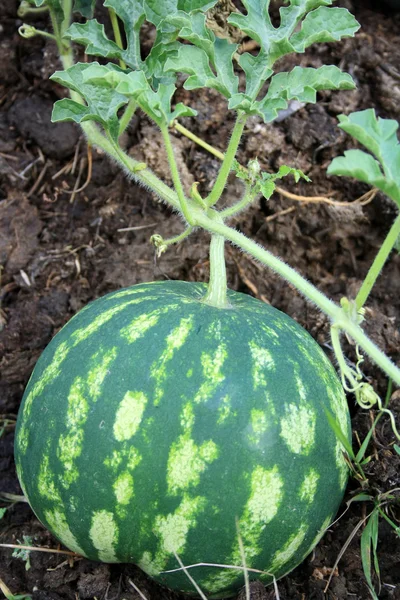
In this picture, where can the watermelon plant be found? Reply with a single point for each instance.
(178, 423)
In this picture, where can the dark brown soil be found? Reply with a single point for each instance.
(59, 250)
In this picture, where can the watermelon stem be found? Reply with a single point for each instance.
(215, 295)
(336, 313)
(217, 287)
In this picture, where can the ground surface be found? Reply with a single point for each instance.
(59, 250)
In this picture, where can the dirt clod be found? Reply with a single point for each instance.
(32, 118)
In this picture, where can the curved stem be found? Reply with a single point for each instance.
(378, 264)
(28, 31)
(227, 163)
(25, 9)
(162, 244)
(345, 371)
(175, 175)
(335, 313)
(247, 199)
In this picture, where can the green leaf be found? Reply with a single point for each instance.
(157, 11)
(267, 188)
(256, 70)
(257, 23)
(339, 434)
(195, 62)
(267, 180)
(207, 55)
(300, 84)
(223, 54)
(397, 449)
(328, 25)
(96, 84)
(3, 512)
(171, 22)
(379, 136)
(92, 34)
(361, 498)
(368, 540)
(324, 25)
(284, 171)
(156, 60)
(191, 5)
(361, 453)
(69, 110)
(133, 16)
(24, 554)
(156, 104)
(262, 182)
(192, 27)
(85, 7)
(374, 539)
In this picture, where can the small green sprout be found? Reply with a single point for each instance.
(23, 553)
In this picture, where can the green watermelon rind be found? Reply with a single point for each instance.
(154, 425)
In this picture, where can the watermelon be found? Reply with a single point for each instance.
(156, 427)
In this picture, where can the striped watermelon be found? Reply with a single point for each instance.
(156, 426)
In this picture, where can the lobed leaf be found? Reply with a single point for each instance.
(194, 61)
(156, 104)
(322, 24)
(369, 538)
(96, 84)
(208, 61)
(192, 27)
(256, 71)
(300, 84)
(92, 35)
(379, 136)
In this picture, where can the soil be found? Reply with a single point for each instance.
(59, 249)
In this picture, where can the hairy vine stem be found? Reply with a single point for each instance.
(197, 216)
